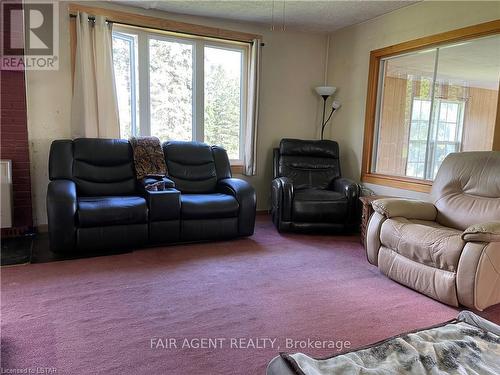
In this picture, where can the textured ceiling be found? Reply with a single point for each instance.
(309, 15)
(471, 63)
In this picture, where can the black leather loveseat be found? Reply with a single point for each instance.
(94, 201)
(308, 192)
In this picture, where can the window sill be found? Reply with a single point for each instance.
(236, 168)
(406, 183)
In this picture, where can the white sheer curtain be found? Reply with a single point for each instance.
(250, 156)
(94, 111)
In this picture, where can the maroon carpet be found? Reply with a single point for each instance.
(98, 315)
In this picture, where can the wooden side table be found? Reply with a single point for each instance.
(366, 213)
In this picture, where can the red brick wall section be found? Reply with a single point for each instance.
(14, 144)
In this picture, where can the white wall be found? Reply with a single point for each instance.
(349, 57)
(293, 64)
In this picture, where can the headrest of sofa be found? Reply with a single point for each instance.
(100, 151)
(188, 153)
(472, 173)
(466, 190)
(298, 147)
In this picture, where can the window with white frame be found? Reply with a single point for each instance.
(444, 135)
(181, 88)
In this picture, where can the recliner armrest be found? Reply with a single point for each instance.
(62, 205)
(410, 209)
(247, 200)
(348, 187)
(164, 204)
(484, 232)
(282, 196)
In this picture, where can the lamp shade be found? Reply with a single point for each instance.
(325, 90)
(336, 105)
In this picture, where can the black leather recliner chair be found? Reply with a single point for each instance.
(213, 205)
(308, 192)
(94, 201)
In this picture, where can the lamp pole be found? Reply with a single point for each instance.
(325, 97)
(335, 105)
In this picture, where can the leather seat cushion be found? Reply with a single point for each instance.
(208, 206)
(100, 211)
(317, 205)
(425, 242)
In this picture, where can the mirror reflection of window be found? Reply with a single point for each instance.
(434, 102)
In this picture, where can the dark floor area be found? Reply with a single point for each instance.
(16, 250)
(35, 249)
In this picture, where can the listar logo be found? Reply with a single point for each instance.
(30, 35)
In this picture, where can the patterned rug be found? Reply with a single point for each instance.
(467, 345)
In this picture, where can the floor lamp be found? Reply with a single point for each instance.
(325, 92)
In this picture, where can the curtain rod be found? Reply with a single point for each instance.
(92, 18)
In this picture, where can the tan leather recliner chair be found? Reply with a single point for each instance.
(448, 249)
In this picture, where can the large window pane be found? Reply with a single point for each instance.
(171, 89)
(435, 102)
(223, 69)
(466, 93)
(190, 89)
(404, 113)
(125, 65)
